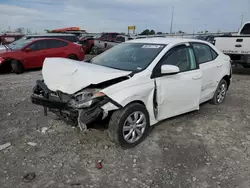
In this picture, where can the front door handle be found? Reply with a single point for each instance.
(219, 65)
(197, 77)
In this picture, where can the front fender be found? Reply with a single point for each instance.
(143, 93)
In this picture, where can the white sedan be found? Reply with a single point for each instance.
(135, 85)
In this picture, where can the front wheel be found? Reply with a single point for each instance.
(17, 67)
(129, 126)
(220, 93)
(73, 57)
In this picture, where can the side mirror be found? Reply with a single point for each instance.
(27, 50)
(169, 69)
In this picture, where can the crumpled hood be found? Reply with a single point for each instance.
(70, 76)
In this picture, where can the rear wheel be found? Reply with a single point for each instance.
(72, 56)
(220, 93)
(17, 67)
(129, 126)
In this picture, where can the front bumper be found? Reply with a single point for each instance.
(48, 103)
(58, 102)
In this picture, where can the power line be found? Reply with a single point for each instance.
(172, 19)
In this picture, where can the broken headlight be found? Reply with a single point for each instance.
(86, 99)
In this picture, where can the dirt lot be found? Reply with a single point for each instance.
(209, 148)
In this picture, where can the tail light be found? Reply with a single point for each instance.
(1, 60)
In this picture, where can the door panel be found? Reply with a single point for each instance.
(209, 81)
(210, 67)
(55, 48)
(35, 58)
(177, 94)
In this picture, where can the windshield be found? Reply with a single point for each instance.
(129, 56)
(97, 36)
(19, 44)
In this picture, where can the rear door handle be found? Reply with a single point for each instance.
(219, 65)
(197, 77)
(238, 45)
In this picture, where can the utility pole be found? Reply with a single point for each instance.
(241, 23)
(172, 19)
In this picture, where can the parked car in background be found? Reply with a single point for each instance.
(103, 39)
(236, 46)
(68, 37)
(31, 53)
(137, 84)
(87, 43)
(101, 46)
(8, 38)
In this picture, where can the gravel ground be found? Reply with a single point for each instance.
(208, 148)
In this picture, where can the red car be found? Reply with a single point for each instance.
(87, 44)
(31, 53)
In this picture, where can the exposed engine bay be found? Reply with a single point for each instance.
(82, 108)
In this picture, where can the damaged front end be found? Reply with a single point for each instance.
(82, 108)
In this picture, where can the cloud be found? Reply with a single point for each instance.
(116, 15)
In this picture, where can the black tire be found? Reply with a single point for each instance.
(117, 121)
(214, 100)
(246, 66)
(89, 50)
(72, 56)
(17, 67)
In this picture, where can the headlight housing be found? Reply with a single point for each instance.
(86, 99)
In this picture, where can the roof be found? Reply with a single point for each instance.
(161, 40)
(51, 34)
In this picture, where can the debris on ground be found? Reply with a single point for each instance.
(75, 184)
(99, 164)
(29, 177)
(31, 143)
(4, 146)
(44, 130)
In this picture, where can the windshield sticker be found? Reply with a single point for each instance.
(152, 46)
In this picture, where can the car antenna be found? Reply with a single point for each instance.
(7, 47)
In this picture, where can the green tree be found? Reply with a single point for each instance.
(145, 32)
(152, 32)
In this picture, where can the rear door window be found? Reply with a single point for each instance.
(114, 35)
(69, 38)
(106, 37)
(38, 45)
(55, 43)
(120, 39)
(204, 53)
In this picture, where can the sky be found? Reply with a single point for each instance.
(116, 15)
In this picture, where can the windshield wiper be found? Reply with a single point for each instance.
(7, 47)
